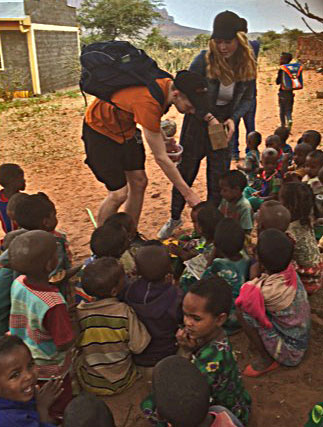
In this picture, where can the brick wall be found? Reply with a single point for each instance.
(57, 54)
(310, 50)
(16, 59)
(55, 12)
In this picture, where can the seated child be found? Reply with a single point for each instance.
(273, 309)
(297, 171)
(230, 263)
(87, 410)
(39, 313)
(193, 410)
(252, 160)
(208, 218)
(109, 331)
(12, 180)
(271, 180)
(312, 137)
(157, 303)
(298, 199)
(38, 212)
(274, 141)
(313, 164)
(127, 258)
(206, 307)
(21, 404)
(233, 204)
(109, 240)
(273, 214)
(283, 134)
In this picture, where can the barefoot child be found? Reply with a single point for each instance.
(39, 314)
(274, 310)
(12, 180)
(252, 160)
(22, 404)
(104, 365)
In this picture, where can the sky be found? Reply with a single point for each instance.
(262, 15)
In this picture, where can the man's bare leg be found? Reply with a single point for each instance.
(137, 183)
(112, 203)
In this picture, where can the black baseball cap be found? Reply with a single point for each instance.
(227, 24)
(195, 87)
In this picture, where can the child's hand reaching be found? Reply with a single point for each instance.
(46, 396)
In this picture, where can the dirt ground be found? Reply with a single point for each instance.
(45, 140)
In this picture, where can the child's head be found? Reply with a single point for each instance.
(208, 218)
(312, 137)
(283, 134)
(9, 237)
(269, 160)
(153, 262)
(274, 141)
(12, 204)
(299, 200)
(229, 238)
(275, 250)
(87, 410)
(253, 140)
(18, 375)
(206, 307)
(109, 240)
(103, 278)
(273, 214)
(300, 153)
(285, 58)
(126, 221)
(12, 177)
(33, 253)
(232, 184)
(36, 212)
(194, 212)
(181, 392)
(313, 163)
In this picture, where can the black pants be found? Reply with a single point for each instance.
(286, 102)
(196, 143)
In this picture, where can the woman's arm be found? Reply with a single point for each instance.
(243, 106)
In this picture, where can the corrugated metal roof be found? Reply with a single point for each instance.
(12, 9)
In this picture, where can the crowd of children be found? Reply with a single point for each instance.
(161, 310)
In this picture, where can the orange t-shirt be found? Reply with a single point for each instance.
(135, 105)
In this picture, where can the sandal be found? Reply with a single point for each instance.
(251, 372)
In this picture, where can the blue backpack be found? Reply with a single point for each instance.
(110, 66)
(292, 76)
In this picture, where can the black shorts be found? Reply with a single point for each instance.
(109, 160)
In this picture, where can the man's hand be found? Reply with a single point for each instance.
(230, 126)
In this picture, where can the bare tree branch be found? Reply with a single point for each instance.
(304, 10)
(319, 36)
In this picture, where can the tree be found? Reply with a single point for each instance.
(304, 10)
(201, 40)
(156, 40)
(291, 35)
(111, 19)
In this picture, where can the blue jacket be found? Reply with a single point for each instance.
(20, 414)
(243, 91)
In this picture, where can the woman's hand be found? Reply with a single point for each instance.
(192, 199)
(231, 128)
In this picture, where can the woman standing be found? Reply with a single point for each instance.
(230, 68)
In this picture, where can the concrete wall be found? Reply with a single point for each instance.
(16, 59)
(57, 55)
(310, 50)
(55, 12)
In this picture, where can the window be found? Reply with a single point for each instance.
(1, 57)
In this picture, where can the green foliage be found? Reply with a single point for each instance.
(291, 35)
(111, 19)
(272, 43)
(173, 60)
(201, 41)
(156, 40)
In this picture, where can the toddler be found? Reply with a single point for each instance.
(274, 141)
(311, 137)
(230, 263)
(194, 410)
(273, 214)
(273, 309)
(252, 160)
(109, 331)
(271, 180)
(233, 204)
(38, 313)
(297, 171)
(298, 199)
(283, 134)
(157, 303)
(21, 403)
(12, 180)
